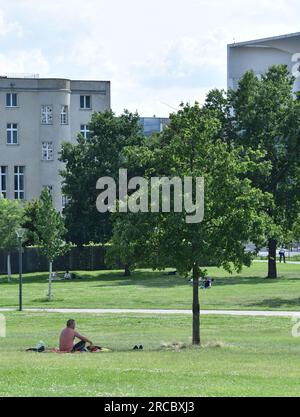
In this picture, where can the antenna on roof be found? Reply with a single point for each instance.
(234, 41)
(166, 104)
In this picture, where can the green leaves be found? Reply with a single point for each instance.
(49, 228)
(234, 208)
(88, 160)
(11, 215)
(266, 119)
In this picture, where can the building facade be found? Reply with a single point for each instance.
(259, 55)
(36, 116)
(153, 124)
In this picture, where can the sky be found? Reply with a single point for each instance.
(156, 54)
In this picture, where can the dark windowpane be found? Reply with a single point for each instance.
(82, 102)
(11, 99)
(88, 102)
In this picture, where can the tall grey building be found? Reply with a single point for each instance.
(153, 124)
(260, 54)
(36, 116)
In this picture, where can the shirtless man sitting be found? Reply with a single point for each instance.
(67, 336)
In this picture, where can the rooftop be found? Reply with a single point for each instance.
(258, 41)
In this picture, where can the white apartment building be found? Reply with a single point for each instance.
(36, 116)
(260, 54)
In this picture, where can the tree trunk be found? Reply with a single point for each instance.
(196, 307)
(50, 282)
(272, 268)
(127, 271)
(8, 267)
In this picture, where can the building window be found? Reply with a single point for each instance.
(64, 115)
(3, 180)
(85, 102)
(64, 201)
(19, 182)
(84, 130)
(12, 133)
(47, 151)
(46, 115)
(11, 100)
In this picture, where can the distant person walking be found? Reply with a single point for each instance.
(282, 255)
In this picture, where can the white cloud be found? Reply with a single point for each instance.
(184, 62)
(30, 61)
(153, 52)
(7, 26)
(87, 56)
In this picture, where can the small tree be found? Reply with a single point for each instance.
(49, 233)
(10, 220)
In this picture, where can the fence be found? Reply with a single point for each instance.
(79, 258)
(86, 258)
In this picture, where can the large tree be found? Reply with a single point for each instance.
(87, 161)
(266, 117)
(233, 209)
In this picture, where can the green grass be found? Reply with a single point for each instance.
(294, 258)
(258, 357)
(249, 290)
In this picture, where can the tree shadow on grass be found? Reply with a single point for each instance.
(275, 303)
(160, 280)
(249, 280)
(105, 279)
(149, 279)
(44, 300)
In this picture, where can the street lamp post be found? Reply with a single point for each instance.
(20, 233)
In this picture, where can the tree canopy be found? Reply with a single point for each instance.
(266, 117)
(234, 209)
(85, 162)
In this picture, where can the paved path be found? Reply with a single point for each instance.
(287, 262)
(162, 312)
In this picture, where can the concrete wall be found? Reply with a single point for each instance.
(259, 55)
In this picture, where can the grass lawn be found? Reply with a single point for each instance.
(257, 357)
(249, 290)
